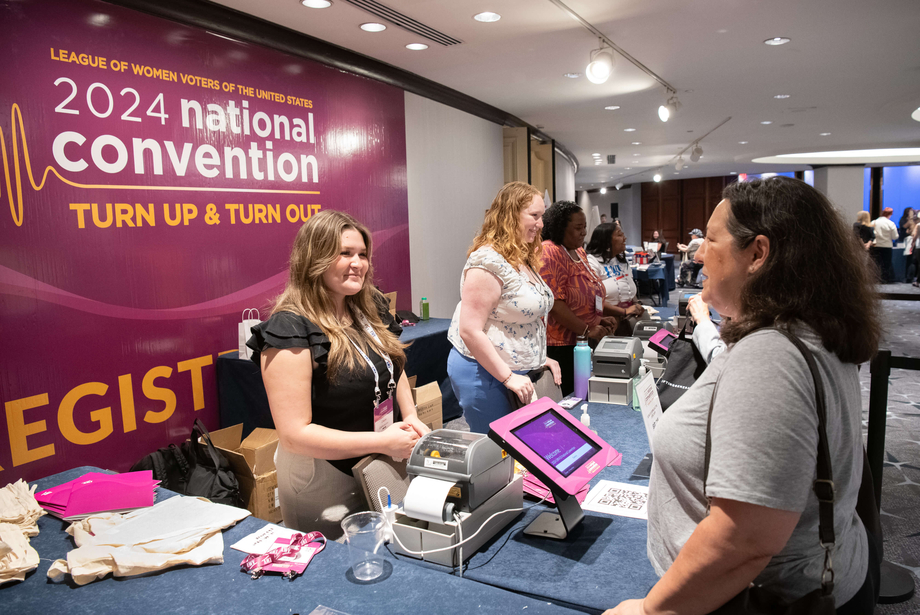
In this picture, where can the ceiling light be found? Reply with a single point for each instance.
(629, 130)
(572, 75)
(628, 169)
(776, 40)
(316, 4)
(596, 154)
(487, 17)
(635, 154)
(637, 142)
(615, 107)
(742, 142)
(657, 177)
(733, 173)
(767, 122)
(696, 154)
(373, 27)
(679, 164)
(601, 65)
(618, 186)
(781, 96)
(915, 115)
(416, 46)
(667, 110)
(603, 190)
(827, 134)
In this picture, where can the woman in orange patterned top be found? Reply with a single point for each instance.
(579, 293)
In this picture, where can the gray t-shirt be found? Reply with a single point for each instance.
(764, 451)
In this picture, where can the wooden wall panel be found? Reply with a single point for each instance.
(678, 206)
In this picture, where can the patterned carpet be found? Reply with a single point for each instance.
(901, 480)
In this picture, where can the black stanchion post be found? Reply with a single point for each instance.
(896, 582)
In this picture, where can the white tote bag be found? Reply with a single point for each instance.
(244, 331)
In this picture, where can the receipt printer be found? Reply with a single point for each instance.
(477, 467)
(618, 357)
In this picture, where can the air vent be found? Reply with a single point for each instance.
(611, 159)
(405, 22)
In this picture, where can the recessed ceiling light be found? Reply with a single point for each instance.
(781, 96)
(635, 154)
(776, 40)
(596, 154)
(416, 46)
(825, 134)
(316, 4)
(629, 130)
(628, 169)
(373, 27)
(742, 142)
(637, 142)
(733, 173)
(615, 107)
(572, 75)
(487, 17)
(766, 122)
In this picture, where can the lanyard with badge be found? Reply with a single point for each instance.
(383, 411)
(599, 290)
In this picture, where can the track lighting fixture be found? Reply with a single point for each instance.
(667, 110)
(603, 190)
(618, 186)
(696, 154)
(657, 177)
(601, 65)
(679, 164)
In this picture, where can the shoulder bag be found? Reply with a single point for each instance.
(685, 365)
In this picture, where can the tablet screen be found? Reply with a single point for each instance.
(557, 443)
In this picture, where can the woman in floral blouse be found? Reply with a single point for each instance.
(499, 327)
(579, 294)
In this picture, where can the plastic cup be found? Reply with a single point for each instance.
(365, 533)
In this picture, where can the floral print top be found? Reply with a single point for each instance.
(517, 325)
(573, 282)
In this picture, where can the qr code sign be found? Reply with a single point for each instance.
(621, 498)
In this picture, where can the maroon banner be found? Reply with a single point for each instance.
(154, 178)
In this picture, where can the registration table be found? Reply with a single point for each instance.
(222, 588)
(602, 562)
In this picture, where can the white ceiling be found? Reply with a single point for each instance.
(852, 69)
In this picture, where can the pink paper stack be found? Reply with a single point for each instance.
(96, 492)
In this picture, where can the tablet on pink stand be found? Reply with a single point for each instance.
(560, 451)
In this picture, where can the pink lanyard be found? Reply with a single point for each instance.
(273, 561)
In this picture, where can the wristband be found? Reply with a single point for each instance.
(505, 381)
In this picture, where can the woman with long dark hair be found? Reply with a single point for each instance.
(733, 502)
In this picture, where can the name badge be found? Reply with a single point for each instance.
(598, 304)
(383, 415)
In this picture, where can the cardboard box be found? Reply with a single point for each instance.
(253, 462)
(391, 298)
(427, 399)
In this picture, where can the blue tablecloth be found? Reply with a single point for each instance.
(601, 563)
(222, 588)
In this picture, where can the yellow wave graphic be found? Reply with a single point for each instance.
(16, 204)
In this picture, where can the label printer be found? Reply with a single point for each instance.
(616, 363)
(644, 330)
(458, 480)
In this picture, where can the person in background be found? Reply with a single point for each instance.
(658, 242)
(498, 329)
(756, 519)
(578, 310)
(864, 230)
(688, 266)
(913, 271)
(333, 374)
(606, 256)
(603, 218)
(706, 337)
(906, 225)
(886, 233)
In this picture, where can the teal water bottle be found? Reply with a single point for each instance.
(582, 368)
(423, 308)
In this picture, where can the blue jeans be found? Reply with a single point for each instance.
(483, 398)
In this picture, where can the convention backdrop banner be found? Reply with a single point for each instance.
(154, 176)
